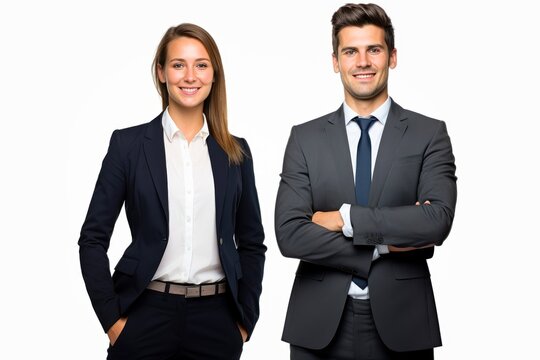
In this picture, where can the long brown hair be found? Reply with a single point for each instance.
(215, 105)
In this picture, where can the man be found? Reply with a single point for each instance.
(365, 194)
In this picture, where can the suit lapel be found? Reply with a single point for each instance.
(220, 170)
(339, 144)
(154, 151)
(395, 127)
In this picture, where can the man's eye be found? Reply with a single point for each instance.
(374, 51)
(350, 52)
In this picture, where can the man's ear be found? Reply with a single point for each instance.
(392, 61)
(335, 62)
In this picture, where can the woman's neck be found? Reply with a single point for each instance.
(189, 121)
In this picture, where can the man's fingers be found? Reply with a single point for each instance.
(393, 248)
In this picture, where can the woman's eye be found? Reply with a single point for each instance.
(202, 66)
(178, 66)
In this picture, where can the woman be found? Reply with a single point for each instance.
(188, 285)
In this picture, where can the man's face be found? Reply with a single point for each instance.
(363, 60)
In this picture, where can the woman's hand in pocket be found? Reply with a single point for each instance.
(115, 330)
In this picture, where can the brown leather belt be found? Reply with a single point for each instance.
(189, 291)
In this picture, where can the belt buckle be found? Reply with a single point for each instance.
(221, 288)
(193, 291)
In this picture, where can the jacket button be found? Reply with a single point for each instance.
(164, 239)
(220, 241)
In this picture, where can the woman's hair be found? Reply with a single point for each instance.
(215, 105)
(360, 15)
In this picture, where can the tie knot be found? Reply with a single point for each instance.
(365, 123)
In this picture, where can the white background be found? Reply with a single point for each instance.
(71, 72)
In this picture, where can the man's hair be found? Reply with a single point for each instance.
(360, 15)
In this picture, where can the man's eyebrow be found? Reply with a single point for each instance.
(349, 48)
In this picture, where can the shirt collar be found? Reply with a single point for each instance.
(170, 129)
(381, 113)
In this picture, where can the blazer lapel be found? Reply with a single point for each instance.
(395, 127)
(154, 150)
(220, 170)
(339, 144)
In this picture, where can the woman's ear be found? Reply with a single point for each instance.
(161, 74)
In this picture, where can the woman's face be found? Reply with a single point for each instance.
(187, 73)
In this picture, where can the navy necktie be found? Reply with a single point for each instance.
(363, 172)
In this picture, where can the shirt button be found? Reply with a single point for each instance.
(188, 219)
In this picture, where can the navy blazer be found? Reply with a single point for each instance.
(134, 173)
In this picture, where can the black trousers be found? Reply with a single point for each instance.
(164, 326)
(357, 339)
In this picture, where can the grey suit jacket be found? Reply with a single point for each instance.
(414, 163)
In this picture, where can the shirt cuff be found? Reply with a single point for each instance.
(345, 211)
(382, 249)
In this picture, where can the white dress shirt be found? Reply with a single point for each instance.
(353, 135)
(192, 253)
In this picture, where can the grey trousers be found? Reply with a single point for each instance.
(357, 339)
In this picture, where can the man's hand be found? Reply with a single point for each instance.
(330, 220)
(115, 330)
(393, 248)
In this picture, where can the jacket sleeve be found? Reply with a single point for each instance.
(105, 206)
(297, 236)
(249, 235)
(415, 225)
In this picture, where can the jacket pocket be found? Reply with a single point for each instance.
(408, 160)
(411, 270)
(127, 266)
(311, 271)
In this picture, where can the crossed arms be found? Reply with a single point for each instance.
(298, 225)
